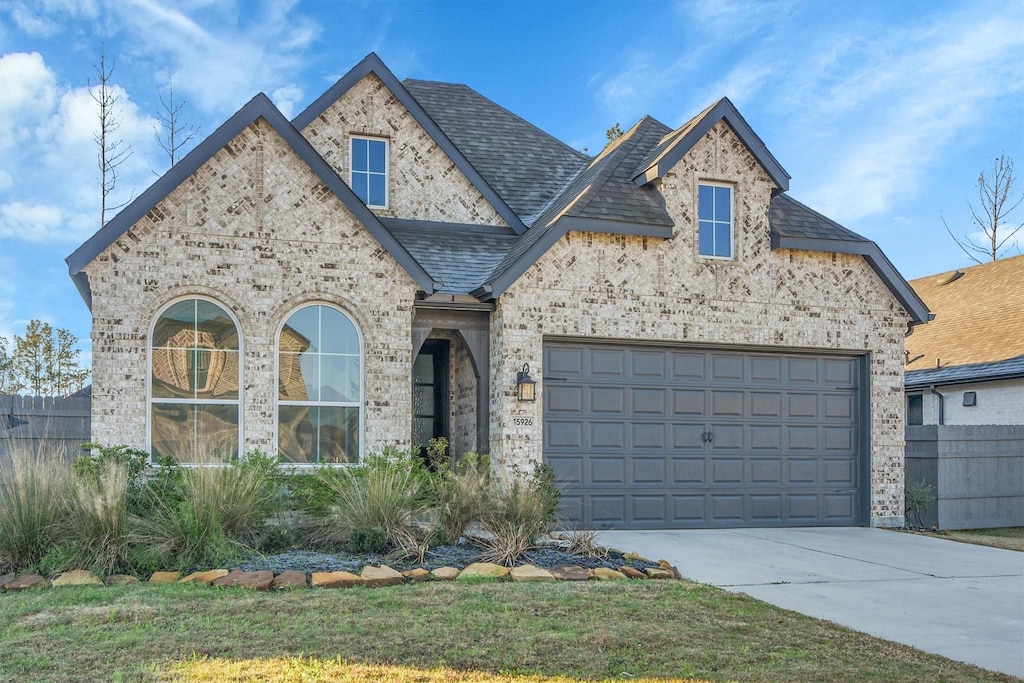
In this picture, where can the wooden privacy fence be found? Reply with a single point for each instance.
(44, 425)
(976, 471)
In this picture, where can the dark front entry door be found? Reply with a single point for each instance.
(430, 392)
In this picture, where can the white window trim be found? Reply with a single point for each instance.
(240, 401)
(732, 220)
(361, 404)
(387, 168)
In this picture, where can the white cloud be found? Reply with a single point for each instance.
(287, 99)
(49, 177)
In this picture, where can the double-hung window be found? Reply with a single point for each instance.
(370, 171)
(714, 221)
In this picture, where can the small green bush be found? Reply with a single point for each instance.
(918, 496)
(370, 540)
(33, 494)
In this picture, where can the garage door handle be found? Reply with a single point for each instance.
(707, 437)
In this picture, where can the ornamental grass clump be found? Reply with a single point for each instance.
(96, 530)
(33, 491)
(207, 514)
(518, 514)
(461, 494)
(387, 491)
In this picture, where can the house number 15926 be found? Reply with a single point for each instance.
(522, 421)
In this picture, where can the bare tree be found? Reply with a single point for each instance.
(995, 192)
(113, 152)
(173, 134)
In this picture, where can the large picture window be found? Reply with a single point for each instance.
(715, 221)
(319, 387)
(194, 383)
(370, 171)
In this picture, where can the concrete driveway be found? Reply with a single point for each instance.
(961, 601)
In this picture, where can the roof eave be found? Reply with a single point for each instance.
(373, 64)
(900, 288)
(723, 110)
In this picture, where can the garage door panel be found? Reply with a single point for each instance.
(564, 360)
(649, 470)
(606, 471)
(688, 437)
(765, 370)
(646, 402)
(688, 367)
(649, 437)
(688, 403)
(604, 435)
(648, 509)
(610, 400)
(727, 471)
(689, 470)
(568, 435)
(564, 400)
(608, 363)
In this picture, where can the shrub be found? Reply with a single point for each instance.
(918, 495)
(208, 514)
(370, 540)
(33, 491)
(387, 491)
(461, 492)
(518, 515)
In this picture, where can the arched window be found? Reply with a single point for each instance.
(319, 387)
(194, 383)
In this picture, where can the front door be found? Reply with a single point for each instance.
(430, 393)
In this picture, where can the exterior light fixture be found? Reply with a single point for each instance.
(526, 386)
(970, 398)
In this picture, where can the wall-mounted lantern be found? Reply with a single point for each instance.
(526, 386)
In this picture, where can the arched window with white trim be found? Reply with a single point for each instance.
(319, 387)
(195, 375)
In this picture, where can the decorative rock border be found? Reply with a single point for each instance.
(371, 576)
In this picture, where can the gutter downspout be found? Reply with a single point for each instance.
(942, 404)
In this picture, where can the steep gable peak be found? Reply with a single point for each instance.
(372, 64)
(677, 143)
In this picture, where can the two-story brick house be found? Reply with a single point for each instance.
(402, 259)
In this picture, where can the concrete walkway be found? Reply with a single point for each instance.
(961, 601)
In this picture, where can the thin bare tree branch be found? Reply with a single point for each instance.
(112, 150)
(997, 202)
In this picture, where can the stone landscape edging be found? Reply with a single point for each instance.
(370, 577)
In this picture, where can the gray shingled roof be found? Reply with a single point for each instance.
(458, 257)
(964, 374)
(790, 218)
(524, 165)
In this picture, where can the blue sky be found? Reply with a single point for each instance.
(883, 112)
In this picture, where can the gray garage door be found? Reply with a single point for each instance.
(648, 437)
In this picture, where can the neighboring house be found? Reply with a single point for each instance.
(395, 263)
(966, 367)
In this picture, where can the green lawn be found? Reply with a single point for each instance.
(434, 632)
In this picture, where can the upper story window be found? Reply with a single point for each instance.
(370, 171)
(195, 380)
(714, 221)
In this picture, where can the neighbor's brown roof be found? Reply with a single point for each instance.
(979, 316)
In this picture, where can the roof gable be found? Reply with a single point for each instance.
(373, 64)
(676, 144)
(259, 106)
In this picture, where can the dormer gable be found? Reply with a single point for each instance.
(676, 144)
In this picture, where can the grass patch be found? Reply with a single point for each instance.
(441, 632)
(1008, 538)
